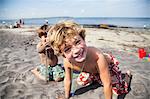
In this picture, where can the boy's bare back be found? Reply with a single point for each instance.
(47, 56)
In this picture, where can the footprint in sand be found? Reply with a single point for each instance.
(139, 91)
(59, 94)
(11, 75)
(3, 79)
(5, 53)
(25, 66)
(15, 66)
(2, 69)
(14, 90)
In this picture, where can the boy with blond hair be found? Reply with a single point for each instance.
(68, 39)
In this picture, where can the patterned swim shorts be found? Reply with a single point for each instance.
(53, 73)
(119, 85)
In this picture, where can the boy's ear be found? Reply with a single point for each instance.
(82, 33)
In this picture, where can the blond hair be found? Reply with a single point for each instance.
(61, 31)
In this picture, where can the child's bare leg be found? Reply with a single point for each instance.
(129, 73)
(35, 71)
(129, 77)
(58, 79)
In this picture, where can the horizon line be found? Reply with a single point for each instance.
(66, 17)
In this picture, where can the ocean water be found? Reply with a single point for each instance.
(128, 22)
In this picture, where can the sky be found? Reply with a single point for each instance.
(13, 9)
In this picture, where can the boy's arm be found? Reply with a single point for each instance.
(37, 74)
(41, 47)
(105, 76)
(67, 79)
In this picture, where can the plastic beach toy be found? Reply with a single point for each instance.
(142, 53)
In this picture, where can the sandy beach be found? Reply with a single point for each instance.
(19, 55)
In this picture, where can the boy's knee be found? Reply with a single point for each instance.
(33, 70)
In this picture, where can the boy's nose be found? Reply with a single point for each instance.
(76, 51)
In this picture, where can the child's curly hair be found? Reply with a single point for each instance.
(41, 32)
(62, 30)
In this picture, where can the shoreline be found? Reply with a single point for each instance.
(103, 26)
(142, 22)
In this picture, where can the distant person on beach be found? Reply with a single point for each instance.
(16, 25)
(21, 21)
(68, 39)
(48, 69)
(46, 22)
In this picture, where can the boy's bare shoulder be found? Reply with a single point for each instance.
(94, 50)
(94, 53)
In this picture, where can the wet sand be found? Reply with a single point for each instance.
(19, 56)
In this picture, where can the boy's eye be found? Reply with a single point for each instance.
(77, 42)
(67, 49)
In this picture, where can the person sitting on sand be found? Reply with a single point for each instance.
(16, 25)
(68, 39)
(49, 67)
